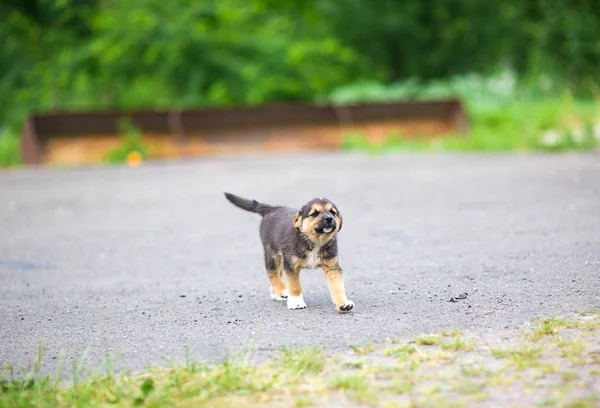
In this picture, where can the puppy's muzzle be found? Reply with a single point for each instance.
(327, 225)
(329, 221)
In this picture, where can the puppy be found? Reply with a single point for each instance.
(299, 239)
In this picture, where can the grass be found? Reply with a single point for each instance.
(428, 340)
(452, 333)
(433, 370)
(525, 356)
(304, 402)
(552, 327)
(570, 347)
(474, 370)
(569, 376)
(302, 361)
(401, 386)
(349, 382)
(162, 386)
(521, 126)
(510, 117)
(589, 402)
(363, 349)
(587, 312)
(403, 350)
(355, 386)
(469, 387)
(548, 327)
(572, 350)
(457, 344)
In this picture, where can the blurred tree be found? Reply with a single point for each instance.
(423, 39)
(558, 38)
(81, 54)
(38, 42)
(213, 53)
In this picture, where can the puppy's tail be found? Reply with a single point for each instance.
(249, 205)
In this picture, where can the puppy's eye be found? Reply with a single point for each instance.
(333, 212)
(314, 214)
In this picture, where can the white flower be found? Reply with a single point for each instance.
(578, 134)
(596, 130)
(502, 84)
(551, 138)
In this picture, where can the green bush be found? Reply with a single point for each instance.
(10, 154)
(504, 115)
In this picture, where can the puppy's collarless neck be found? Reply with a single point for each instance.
(306, 239)
(312, 244)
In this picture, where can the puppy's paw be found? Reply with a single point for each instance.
(296, 302)
(280, 298)
(346, 306)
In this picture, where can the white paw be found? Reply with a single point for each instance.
(346, 306)
(277, 297)
(296, 302)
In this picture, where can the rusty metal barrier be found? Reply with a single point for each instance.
(75, 138)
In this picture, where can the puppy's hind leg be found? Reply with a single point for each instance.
(273, 265)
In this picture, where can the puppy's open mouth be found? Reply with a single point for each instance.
(325, 230)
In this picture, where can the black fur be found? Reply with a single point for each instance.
(249, 205)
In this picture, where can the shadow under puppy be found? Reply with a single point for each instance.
(299, 239)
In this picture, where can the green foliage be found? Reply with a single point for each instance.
(425, 39)
(154, 54)
(79, 54)
(555, 41)
(132, 142)
(477, 90)
(301, 361)
(504, 115)
(131, 54)
(9, 149)
(430, 371)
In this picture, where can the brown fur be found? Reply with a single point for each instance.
(299, 239)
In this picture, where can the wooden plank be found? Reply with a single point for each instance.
(77, 138)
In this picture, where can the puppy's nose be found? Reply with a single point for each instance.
(328, 219)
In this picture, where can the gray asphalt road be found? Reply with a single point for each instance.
(144, 264)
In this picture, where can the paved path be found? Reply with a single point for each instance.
(146, 263)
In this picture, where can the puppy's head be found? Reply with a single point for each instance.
(319, 220)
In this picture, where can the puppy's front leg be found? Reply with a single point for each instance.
(335, 281)
(292, 269)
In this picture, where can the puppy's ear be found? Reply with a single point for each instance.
(297, 221)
